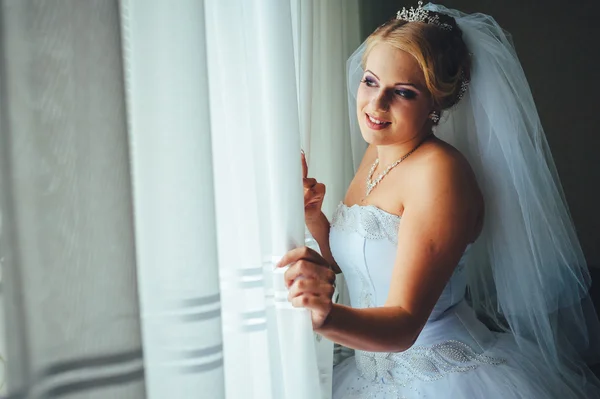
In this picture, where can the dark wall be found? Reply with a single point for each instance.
(559, 47)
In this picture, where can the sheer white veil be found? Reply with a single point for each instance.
(527, 272)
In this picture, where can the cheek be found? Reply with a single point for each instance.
(408, 114)
(422, 110)
(362, 98)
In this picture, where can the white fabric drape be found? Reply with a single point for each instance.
(191, 187)
(66, 237)
(169, 129)
(3, 386)
(256, 147)
(326, 33)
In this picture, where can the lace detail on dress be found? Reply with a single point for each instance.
(395, 371)
(368, 221)
(427, 363)
(391, 371)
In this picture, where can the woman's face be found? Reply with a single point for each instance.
(393, 102)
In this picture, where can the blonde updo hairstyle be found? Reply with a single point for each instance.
(442, 55)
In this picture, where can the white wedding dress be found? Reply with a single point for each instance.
(455, 356)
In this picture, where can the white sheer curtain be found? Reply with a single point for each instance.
(190, 187)
(3, 386)
(67, 237)
(269, 351)
(169, 137)
(326, 33)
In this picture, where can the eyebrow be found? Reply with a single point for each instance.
(399, 83)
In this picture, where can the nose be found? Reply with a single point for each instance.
(381, 101)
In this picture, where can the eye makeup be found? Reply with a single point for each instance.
(370, 81)
(408, 94)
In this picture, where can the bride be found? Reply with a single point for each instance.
(465, 275)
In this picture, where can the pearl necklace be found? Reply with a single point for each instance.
(372, 184)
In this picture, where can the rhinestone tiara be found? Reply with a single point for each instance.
(421, 15)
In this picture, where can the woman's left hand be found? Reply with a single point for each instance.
(310, 281)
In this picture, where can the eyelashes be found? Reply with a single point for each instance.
(408, 94)
(369, 82)
(404, 93)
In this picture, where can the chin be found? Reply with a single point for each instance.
(376, 137)
(372, 138)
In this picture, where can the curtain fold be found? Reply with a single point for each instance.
(326, 33)
(256, 152)
(67, 234)
(150, 179)
(164, 48)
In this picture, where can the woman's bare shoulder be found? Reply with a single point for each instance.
(443, 159)
(443, 167)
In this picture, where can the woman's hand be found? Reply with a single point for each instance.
(314, 193)
(310, 282)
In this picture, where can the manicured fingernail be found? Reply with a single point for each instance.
(276, 261)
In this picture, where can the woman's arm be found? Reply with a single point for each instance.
(317, 223)
(383, 329)
(319, 228)
(437, 224)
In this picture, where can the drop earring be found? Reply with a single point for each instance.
(435, 117)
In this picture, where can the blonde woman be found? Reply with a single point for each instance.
(465, 275)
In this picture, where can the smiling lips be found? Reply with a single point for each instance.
(376, 124)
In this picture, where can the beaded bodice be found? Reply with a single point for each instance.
(363, 241)
(368, 265)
